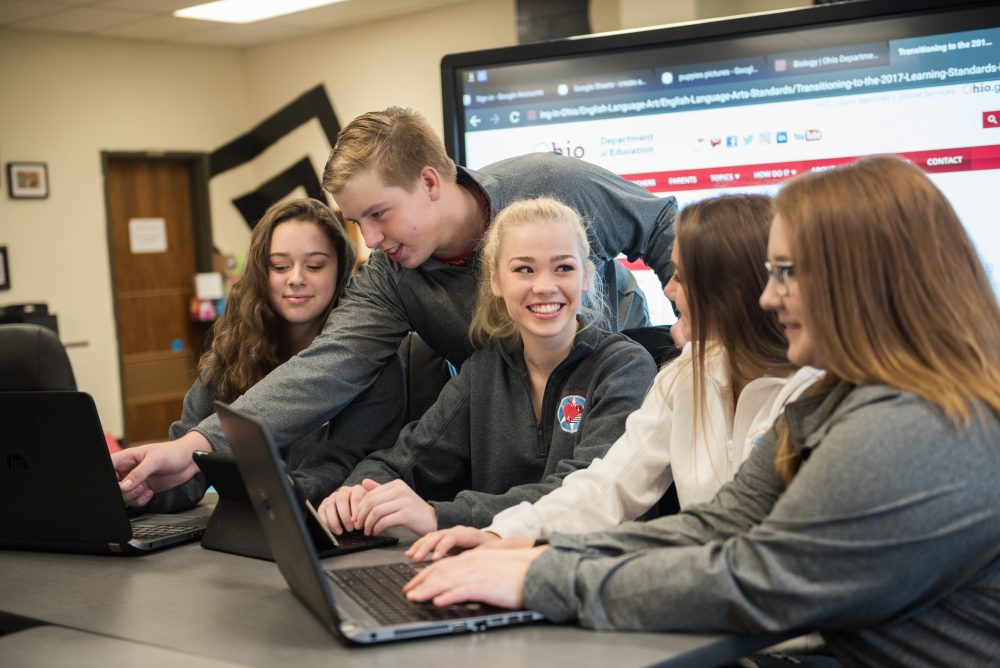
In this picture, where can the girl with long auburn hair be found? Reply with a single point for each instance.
(252, 337)
(706, 410)
(877, 519)
(920, 316)
(297, 266)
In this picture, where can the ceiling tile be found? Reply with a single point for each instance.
(156, 28)
(148, 6)
(152, 20)
(15, 11)
(352, 13)
(80, 20)
(71, 3)
(240, 35)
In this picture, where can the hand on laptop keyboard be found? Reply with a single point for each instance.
(489, 576)
(147, 469)
(438, 544)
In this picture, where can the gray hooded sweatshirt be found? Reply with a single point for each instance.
(479, 449)
(887, 541)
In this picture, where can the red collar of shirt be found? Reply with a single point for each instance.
(484, 206)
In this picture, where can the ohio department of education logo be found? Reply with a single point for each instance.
(570, 412)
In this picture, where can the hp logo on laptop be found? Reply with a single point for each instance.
(16, 463)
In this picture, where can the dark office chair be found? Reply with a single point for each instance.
(32, 358)
(29, 314)
(426, 374)
(657, 342)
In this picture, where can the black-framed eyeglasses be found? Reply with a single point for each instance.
(781, 272)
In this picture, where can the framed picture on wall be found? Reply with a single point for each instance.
(4, 271)
(27, 180)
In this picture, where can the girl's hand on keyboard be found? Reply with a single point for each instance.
(488, 576)
(440, 543)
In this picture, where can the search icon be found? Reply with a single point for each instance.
(991, 119)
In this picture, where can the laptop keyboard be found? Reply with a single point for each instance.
(147, 532)
(378, 590)
(356, 539)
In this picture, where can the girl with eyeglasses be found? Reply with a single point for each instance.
(707, 410)
(871, 512)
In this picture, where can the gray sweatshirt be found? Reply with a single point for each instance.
(320, 460)
(479, 448)
(385, 301)
(887, 541)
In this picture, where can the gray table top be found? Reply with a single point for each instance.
(230, 608)
(46, 646)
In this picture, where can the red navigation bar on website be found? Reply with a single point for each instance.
(940, 160)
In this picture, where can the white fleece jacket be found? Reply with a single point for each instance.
(662, 444)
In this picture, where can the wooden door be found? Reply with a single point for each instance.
(158, 343)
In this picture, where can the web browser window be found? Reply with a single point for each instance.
(747, 123)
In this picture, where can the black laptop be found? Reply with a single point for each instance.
(363, 605)
(234, 528)
(58, 489)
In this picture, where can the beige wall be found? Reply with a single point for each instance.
(66, 99)
(644, 13)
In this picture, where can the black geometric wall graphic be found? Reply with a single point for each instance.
(253, 204)
(312, 104)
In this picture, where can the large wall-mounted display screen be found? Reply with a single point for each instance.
(744, 103)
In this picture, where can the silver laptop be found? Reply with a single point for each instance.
(58, 489)
(363, 605)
